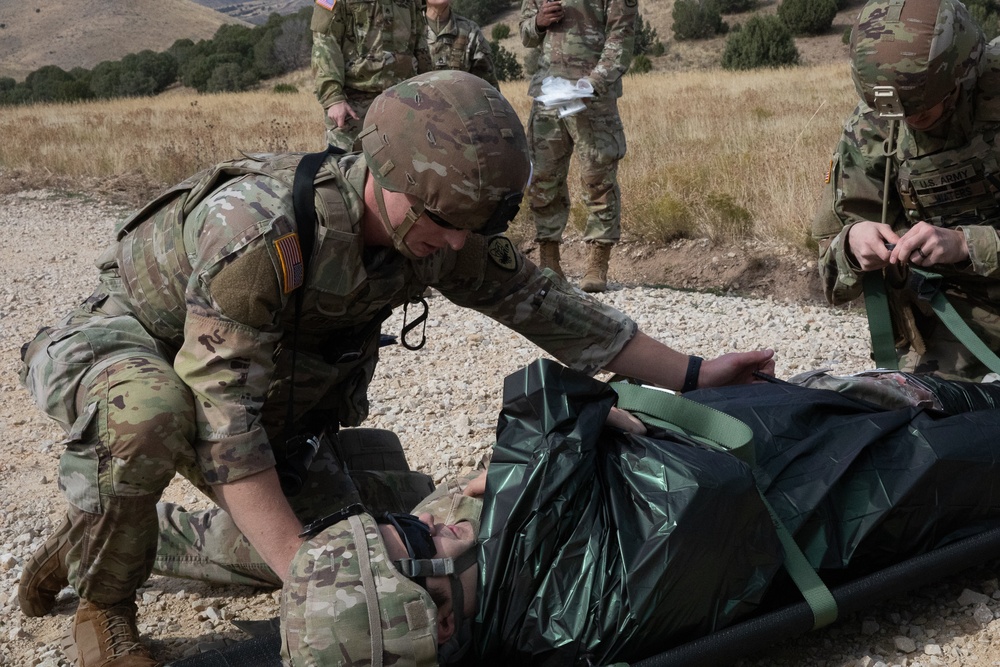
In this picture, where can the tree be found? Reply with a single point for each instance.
(480, 11)
(647, 40)
(696, 19)
(808, 17)
(763, 41)
(505, 64)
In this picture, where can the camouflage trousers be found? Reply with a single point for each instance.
(941, 353)
(597, 136)
(129, 422)
(345, 137)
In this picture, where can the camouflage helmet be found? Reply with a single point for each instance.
(452, 141)
(342, 585)
(923, 48)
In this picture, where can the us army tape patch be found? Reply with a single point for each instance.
(290, 255)
(502, 252)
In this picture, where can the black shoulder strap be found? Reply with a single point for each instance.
(304, 201)
(304, 207)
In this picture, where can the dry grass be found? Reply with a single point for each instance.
(710, 154)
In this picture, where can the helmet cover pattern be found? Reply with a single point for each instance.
(336, 593)
(922, 48)
(454, 142)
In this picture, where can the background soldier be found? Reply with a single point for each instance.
(360, 49)
(944, 202)
(456, 42)
(592, 40)
(218, 343)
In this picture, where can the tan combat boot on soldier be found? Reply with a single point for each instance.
(106, 636)
(45, 574)
(596, 277)
(548, 257)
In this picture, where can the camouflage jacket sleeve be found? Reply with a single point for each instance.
(418, 37)
(481, 58)
(619, 45)
(530, 35)
(852, 193)
(490, 275)
(327, 55)
(232, 325)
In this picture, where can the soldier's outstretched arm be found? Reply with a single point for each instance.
(264, 516)
(649, 360)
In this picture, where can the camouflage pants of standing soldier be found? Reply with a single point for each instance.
(597, 136)
(345, 137)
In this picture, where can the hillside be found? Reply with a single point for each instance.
(255, 11)
(34, 33)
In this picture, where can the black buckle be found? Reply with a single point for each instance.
(313, 528)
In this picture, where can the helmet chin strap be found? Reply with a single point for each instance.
(397, 234)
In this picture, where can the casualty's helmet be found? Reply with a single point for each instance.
(922, 48)
(347, 602)
(344, 601)
(452, 141)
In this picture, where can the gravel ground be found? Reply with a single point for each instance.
(442, 401)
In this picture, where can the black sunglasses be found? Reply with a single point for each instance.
(498, 222)
(416, 535)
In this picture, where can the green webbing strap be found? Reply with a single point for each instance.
(670, 411)
(725, 432)
(956, 325)
(879, 321)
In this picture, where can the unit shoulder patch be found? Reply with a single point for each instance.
(292, 268)
(502, 252)
(327, 4)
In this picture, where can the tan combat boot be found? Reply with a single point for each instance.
(106, 636)
(596, 277)
(45, 574)
(548, 257)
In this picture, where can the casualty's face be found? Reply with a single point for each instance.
(450, 541)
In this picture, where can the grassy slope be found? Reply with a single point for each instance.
(86, 32)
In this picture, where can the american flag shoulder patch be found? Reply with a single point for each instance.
(290, 256)
(327, 4)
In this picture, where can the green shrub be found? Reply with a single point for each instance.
(696, 19)
(480, 11)
(845, 37)
(808, 17)
(505, 64)
(284, 89)
(763, 41)
(987, 14)
(734, 6)
(500, 31)
(647, 41)
(641, 64)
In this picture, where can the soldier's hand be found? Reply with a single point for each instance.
(476, 487)
(866, 241)
(925, 245)
(549, 13)
(625, 421)
(340, 112)
(736, 368)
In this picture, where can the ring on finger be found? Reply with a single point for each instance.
(920, 252)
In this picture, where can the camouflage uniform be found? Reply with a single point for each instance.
(594, 40)
(360, 48)
(180, 360)
(460, 44)
(946, 178)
